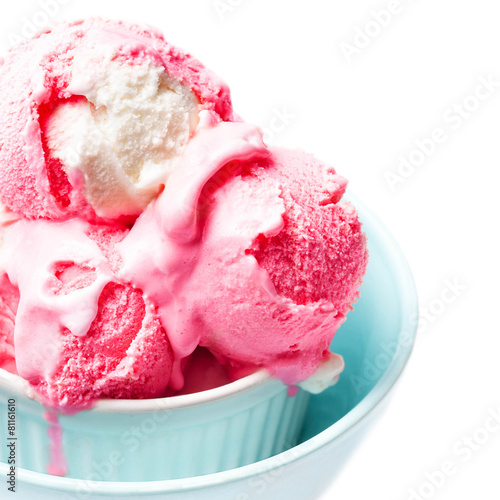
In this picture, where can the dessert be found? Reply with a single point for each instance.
(142, 221)
(93, 115)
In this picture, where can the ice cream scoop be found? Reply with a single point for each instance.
(80, 333)
(94, 115)
(283, 260)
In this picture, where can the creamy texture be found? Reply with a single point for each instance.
(190, 255)
(254, 290)
(142, 223)
(125, 135)
(42, 312)
(79, 333)
(158, 256)
(9, 299)
(164, 246)
(93, 116)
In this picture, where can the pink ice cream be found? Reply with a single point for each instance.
(162, 242)
(282, 262)
(80, 334)
(93, 115)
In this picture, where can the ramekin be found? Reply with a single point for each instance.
(154, 439)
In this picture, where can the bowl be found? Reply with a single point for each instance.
(150, 439)
(375, 341)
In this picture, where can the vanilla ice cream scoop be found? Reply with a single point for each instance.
(124, 135)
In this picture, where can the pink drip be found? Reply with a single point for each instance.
(57, 462)
(292, 390)
(176, 377)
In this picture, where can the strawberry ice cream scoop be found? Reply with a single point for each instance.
(94, 115)
(282, 264)
(80, 333)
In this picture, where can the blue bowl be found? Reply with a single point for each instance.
(375, 341)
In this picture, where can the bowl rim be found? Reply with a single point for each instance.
(22, 389)
(339, 429)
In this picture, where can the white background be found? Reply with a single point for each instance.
(361, 104)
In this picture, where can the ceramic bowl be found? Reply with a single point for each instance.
(375, 341)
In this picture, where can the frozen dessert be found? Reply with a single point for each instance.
(283, 259)
(79, 333)
(93, 115)
(148, 236)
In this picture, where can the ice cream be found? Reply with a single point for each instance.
(9, 299)
(151, 224)
(93, 116)
(79, 333)
(282, 261)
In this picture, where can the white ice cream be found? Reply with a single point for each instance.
(325, 376)
(125, 133)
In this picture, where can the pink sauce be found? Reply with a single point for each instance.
(57, 462)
